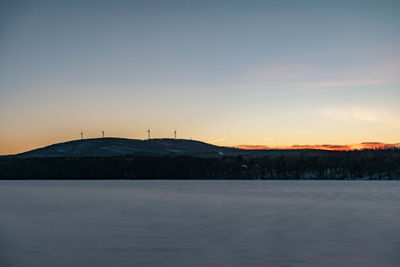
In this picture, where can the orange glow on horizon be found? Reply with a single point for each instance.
(253, 147)
(361, 146)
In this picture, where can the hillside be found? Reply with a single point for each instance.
(110, 147)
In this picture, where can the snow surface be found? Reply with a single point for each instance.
(199, 223)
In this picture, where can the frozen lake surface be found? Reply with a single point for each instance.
(199, 223)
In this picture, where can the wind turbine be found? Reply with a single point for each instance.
(175, 133)
(102, 132)
(148, 134)
(81, 135)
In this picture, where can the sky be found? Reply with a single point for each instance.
(273, 73)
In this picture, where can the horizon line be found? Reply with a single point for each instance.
(327, 147)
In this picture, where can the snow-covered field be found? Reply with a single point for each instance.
(199, 223)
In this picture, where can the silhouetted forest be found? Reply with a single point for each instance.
(299, 164)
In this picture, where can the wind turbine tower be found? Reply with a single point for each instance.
(81, 135)
(148, 134)
(102, 132)
(175, 134)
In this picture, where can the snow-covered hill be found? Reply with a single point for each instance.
(103, 147)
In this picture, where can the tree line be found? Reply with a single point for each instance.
(298, 164)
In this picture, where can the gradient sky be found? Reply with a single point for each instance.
(226, 72)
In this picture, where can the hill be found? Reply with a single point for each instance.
(111, 147)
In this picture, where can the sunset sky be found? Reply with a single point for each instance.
(273, 73)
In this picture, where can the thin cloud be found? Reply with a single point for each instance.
(298, 78)
(340, 84)
(361, 114)
(364, 115)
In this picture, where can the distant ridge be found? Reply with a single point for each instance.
(105, 147)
